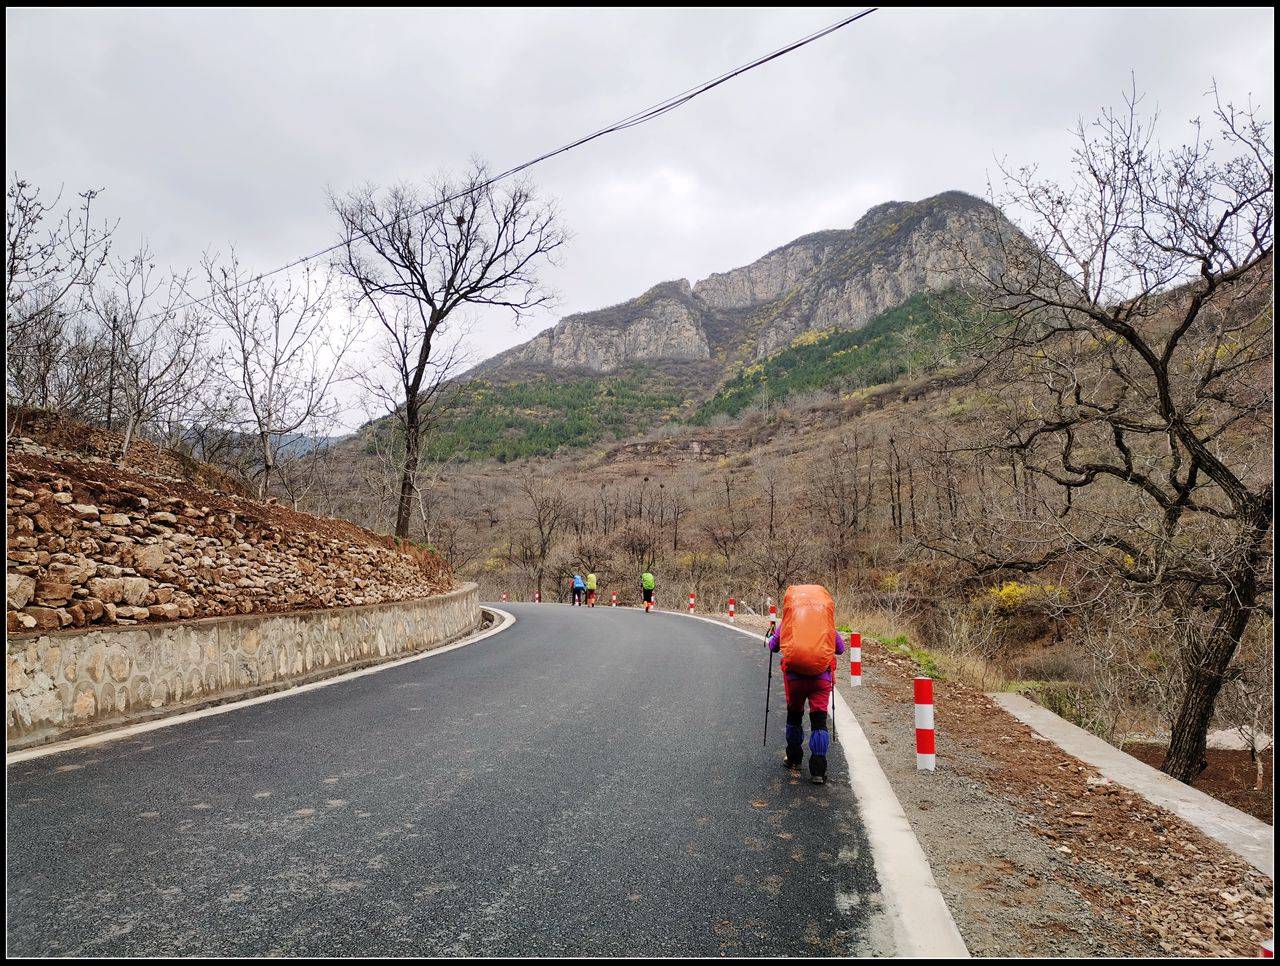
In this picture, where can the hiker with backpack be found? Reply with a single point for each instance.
(578, 587)
(591, 590)
(647, 584)
(809, 642)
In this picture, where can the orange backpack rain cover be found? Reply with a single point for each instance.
(808, 629)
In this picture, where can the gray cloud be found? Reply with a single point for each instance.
(214, 127)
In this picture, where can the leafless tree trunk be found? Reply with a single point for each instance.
(547, 512)
(415, 258)
(728, 528)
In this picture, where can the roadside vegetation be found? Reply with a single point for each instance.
(507, 421)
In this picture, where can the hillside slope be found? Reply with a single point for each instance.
(681, 352)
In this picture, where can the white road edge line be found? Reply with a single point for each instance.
(922, 924)
(102, 737)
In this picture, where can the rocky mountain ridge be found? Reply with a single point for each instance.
(834, 279)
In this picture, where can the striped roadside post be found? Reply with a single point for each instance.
(731, 603)
(613, 599)
(926, 756)
(537, 597)
(855, 658)
(691, 599)
(504, 596)
(1268, 949)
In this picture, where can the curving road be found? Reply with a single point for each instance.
(586, 782)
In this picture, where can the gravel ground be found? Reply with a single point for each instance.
(1002, 881)
(1037, 854)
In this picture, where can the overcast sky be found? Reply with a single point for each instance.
(210, 128)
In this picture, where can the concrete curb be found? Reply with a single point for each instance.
(505, 620)
(922, 924)
(1246, 836)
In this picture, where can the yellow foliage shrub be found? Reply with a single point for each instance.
(812, 337)
(1012, 595)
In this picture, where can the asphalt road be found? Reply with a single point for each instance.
(586, 782)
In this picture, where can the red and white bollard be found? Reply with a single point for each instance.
(613, 599)
(537, 597)
(926, 755)
(1268, 950)
(773, 614)
(504, 596)
(691, 599)
(731, 602)
(855, 658)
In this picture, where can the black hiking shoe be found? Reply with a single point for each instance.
(818, 769)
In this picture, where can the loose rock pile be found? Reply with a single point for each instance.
(90, 543)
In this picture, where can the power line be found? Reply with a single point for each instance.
(632, 120)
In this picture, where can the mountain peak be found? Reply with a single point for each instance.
(831, 279)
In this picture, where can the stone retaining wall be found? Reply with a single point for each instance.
(72, 682)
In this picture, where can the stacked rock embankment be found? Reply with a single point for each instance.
(93, 543)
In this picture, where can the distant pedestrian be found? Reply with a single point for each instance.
(579, 588)
(647, 585)
(591, 590)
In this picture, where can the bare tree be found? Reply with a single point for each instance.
(782, 559)
(546, 515)
(282, 358)
(1249, 695)
(728, 527)
(50, 262)
(156, 353)
(839, 494)
(1131, 354)
(415, 258)
(438, 389)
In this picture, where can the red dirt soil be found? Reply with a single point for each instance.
(1229, 778)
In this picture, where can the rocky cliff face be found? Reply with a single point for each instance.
(664, 323)
(838, 279)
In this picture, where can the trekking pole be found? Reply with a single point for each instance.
(835, 689)
(768, 693)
